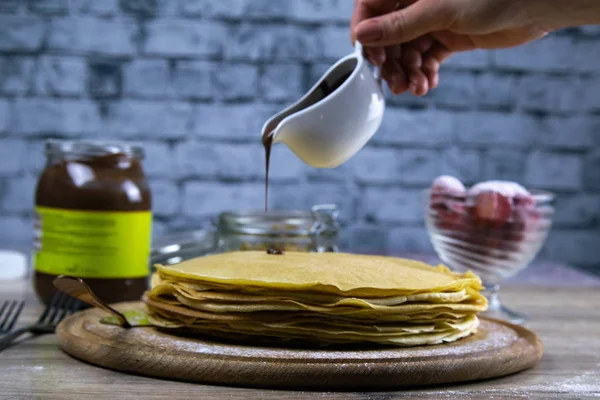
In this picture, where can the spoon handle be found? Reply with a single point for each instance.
(77, 288)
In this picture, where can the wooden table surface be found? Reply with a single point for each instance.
(566, 317)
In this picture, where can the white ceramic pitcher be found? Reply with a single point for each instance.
(325, 128)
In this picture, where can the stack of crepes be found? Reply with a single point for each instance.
(323, 297)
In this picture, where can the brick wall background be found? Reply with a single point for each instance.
(193, 81)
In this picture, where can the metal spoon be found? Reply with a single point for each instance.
(77, 288)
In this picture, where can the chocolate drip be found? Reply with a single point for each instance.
(267, 141)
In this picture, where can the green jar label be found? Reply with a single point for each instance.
(90, 244)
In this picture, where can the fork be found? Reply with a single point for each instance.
(60, 306)
(9, 312)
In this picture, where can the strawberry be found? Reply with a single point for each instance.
(494, 207)
(444, 192)
(489, 221)
(447, 185)
(449, 219)
(527, 219)
(524, 200)
(507, 188)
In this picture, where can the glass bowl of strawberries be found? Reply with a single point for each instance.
(494, 228)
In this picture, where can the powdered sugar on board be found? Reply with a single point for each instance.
(497, 349)
(489, 336)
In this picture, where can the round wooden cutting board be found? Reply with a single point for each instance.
(497, 349)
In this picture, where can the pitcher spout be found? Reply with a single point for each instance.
(276, 126)
(272, 127)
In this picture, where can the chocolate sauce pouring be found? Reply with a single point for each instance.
(267, 141)
(323, 90)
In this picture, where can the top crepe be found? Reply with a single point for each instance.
(332, 273)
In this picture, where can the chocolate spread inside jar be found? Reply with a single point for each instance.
(93, 219)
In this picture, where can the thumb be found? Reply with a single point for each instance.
(404, 25)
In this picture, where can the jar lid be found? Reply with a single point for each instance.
(91, 148)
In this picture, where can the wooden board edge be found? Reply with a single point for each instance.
(304, 376)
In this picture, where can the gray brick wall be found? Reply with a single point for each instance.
(194, 80)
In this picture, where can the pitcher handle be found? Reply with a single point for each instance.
(358, 49)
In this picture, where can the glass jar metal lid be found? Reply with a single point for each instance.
(91, 148)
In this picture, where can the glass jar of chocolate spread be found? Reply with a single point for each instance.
(93, 219)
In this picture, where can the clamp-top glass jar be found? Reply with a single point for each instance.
(93, 219)
(292, 230)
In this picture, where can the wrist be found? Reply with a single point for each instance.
(552, 15)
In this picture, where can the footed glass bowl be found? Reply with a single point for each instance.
(495, 238)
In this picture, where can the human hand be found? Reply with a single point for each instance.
(410, 38)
